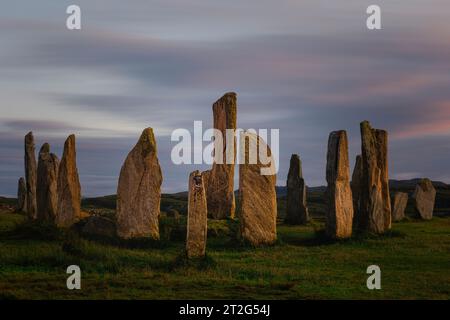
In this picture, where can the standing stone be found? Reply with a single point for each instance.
(375, 203)
(69, 189)
(340, 204)
(399, 206)
(355, 185)
(424, 198)
(296, 210)
(220, 190)
(47, 184)
(30, 175)
(22, 195)
(258, 200)
(139, 190)
(197, 217)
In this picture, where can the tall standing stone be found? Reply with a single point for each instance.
(47, 184)
(424, 198)
(22, 195)
(220, 190)
(139, 190)
(340, 204)
(399, 206)
(69, 189)
(296, 210)
(30, 175)
(258, 200)
(375, 203)
(355, 185)
(197, 217)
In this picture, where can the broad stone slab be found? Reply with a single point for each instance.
(69, 189)
(258, 201)
(399, 205)
(139, 190)
(220, 180)
(424, 199)
(340, 203)
(375, 202)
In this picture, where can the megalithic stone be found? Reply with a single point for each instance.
(399, 205)
(139, 190)
(355, 185)
(296, 209)
(220, 190)
(340, 204)
(30, 175)
(197, 217)
(47, 185)
(69, 189)
(258, 201)
(424, 198)
(22, 195)
(375, 203)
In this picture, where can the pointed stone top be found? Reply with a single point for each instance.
(45, 148)
(147, 141)
(70, 142)
(29, 137)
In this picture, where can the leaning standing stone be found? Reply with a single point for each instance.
(220, 190)
(30, 175)
(197, 217)
(258, 201)
(296, 210)
(375, 202)
(22, 195)
(47, 184)
(424, 198)
(139, 190)
(340, 204)
(399, 206)
(69, 189)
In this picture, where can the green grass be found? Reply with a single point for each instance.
(414, 258)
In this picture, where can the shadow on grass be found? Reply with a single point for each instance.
(320, 238)
(201, 263)
(33, 230)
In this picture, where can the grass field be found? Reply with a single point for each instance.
(414, 259)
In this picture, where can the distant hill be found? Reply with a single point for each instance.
(399, 184)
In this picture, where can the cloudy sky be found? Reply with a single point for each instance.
(304, 67)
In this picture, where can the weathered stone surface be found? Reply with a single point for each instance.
(424, 198)
(99, 226)
(22, 195)
(69, 189)
(340, 203)
(355, 185)
(220, 186)
(258, 201)
(296, 210)
(139, 190)
(47, 184)
(30, 175)
(197, 217)
(399, 206)
(375, 203)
